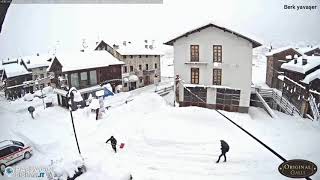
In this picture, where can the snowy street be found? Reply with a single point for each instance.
(161, 142)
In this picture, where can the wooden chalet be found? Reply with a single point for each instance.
(275, 58)
(86, 71)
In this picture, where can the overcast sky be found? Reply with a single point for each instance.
(29, 29)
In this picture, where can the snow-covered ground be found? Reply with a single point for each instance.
(161, 141)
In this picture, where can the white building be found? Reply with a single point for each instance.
(38, 65)
(142, 62)
(215, 64)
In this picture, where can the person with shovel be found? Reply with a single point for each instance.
(113, 143)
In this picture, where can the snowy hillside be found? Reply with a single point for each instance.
(161, 142)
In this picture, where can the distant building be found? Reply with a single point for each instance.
(214, 67)
(275, 58)
(85, 71)
(302, 79)
(14, 75)
(38, 65)
(310, 51)
(142, 62)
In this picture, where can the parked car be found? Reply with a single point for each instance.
(12, 152)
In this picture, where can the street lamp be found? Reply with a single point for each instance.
(74, 99)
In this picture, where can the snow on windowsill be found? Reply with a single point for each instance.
(209, 86)
(200, 63)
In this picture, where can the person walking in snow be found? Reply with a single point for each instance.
(113, 143)
(224, 150)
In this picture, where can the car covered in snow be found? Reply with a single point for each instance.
(12, 152)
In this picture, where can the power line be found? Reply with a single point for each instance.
(252, 136)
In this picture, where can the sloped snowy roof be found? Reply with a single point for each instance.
(13, 60)
(36, 61)
(213, 24)
(86, 60)
(312, 76)
(279, 50)
(307, 49)
(312, 61)
(15, 69)
(134, 47)
(137, 48)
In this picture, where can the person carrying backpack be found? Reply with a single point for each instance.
(224, 149)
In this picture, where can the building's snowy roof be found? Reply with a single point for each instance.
(279, 50)
(134, 47)
(137, 48)
(36, 61)
(312, 76)
(15, 69)
(213, 24)
(86, 60)
(307, 49)
(312, 62)
(8, 61)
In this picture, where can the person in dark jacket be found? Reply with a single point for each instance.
(224, 150)
(113, 143)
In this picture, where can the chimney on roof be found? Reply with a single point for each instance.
(304, 61)
(124, 43)
(37, 54)
(115, 47)
(270, 48)
(295, 59)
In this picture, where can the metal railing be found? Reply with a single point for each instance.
(164, 91)
(314, 108)
(282, 102)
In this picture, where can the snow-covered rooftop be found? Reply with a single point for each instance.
(307, 49)
(138, 49)
(278, 50)
(36, 61)
(312, 76)
(15, 69)
(312, 62)
(220, 25)
(86, 60)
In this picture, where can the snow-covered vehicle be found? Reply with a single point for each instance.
(12, 152)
